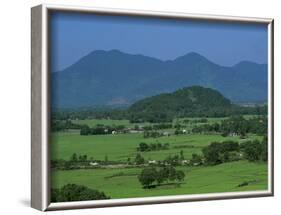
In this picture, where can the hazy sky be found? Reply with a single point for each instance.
(74, 35)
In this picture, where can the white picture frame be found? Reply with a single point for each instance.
(40, 174)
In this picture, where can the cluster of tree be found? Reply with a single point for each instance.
(102, 112)
(217, 153)
(153, 134)
(196, 160)
(151, 176)
(220, 152)
(78, 158)
(61, 125)
(175, 160)
(139, 160)
(74, 192)
(191, 121)
(236, 125)
(72, 163)
(255, 150)
(144, 147)
(152, 117)
(215, 127)
(80, 161)
(179, 131)
(86, 130)
(158, 126)
(242, 126)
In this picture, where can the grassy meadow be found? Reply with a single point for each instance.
(123, 182)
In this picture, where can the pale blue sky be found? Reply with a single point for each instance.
(74, 35)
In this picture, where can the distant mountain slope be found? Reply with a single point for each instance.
(116, 78)
(195, 101)
(186, 98)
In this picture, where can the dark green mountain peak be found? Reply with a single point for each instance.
(194, 100)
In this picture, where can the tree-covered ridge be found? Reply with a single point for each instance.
(188, 101)
(195, 101)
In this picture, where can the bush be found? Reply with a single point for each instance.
(217, 153)
(148, 176)
(139, 159)
(151, 175)
(144, 147)
(73, 192)
(255, 150)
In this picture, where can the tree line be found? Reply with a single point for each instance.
(74, 192)
(100, 129)
(221, 152)
(77, 161)
(145, 147)
(237, 125)
(151, 176)
(62, 125)
(158, 126)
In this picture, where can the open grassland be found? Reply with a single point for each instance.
(123, 183)
(120, 147)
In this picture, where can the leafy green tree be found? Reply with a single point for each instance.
(253, 150)
(196, 159)
(211, 153)
(217, 152)
(163, 175)
(172, 174)
(180, 175)
(143, 147)
(74, 157)
(85, 158)
(148, 176)
(74, 192)
(85, 130)
(105, 159)
(181, 155)
(264, 146)
(139, 159)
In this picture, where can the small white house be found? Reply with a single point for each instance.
(152, 162)
(185, 162)
(114, 132)
(94, 163)
(166, 133)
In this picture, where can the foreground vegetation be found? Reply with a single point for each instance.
(124, 183)
(73, 192)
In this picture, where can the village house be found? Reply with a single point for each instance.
(94, 163)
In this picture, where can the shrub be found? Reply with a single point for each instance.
(74, 192)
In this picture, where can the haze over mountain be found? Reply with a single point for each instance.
(116, 78)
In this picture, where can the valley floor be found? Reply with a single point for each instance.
(123, 183)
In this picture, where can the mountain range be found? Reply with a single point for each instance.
(115, 78)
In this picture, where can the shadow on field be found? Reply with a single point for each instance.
(167, 185)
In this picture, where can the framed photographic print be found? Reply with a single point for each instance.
(140, 107)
